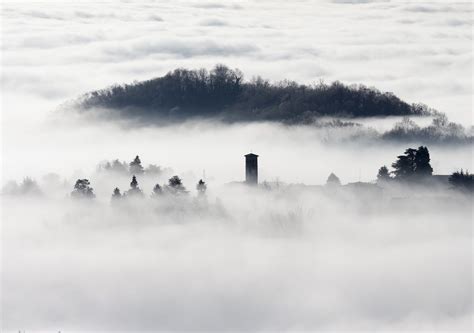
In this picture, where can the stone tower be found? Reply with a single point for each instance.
(251, 169)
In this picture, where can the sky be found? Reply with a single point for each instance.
(421, 51)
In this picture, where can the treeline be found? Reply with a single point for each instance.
(222, 93)
(413, 166)
(440, 130)
(84, 190)
(135, 167)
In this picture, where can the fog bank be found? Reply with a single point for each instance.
(243, 259)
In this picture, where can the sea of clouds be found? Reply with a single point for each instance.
(245, 260)
(240, 259)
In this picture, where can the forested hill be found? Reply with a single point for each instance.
(222, 93)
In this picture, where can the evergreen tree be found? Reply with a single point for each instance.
(201, 187)
(422, 162)
(383, 174)
(82, 189)
(413, 164)
(134, 183)
(134, 189)
(175, 186)
(116, 195)
(405, 165)
(136, 167)
(333, 180)
(157, 191)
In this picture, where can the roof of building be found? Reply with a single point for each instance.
(251, 154)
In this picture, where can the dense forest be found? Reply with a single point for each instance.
(223, 94)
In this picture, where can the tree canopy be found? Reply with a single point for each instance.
(175, 186)
(413, 164)
(83, 190)
(462, 180)
(383, 174)
(136, 167)
(134, 189)
(222, 93)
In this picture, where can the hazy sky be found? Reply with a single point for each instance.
(419, 50)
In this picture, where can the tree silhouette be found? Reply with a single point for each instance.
(333, 180)
(82, 190)
(222, 92)
(405, 165)
(157, 191)
(383, 175)
(201, 187)
(175, 186)
(414, 164)
(134, 183)
(134, 189)
(116, 195)
(463, 181)
(422, 162)
(136, 167)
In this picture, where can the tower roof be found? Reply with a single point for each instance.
(251, 155)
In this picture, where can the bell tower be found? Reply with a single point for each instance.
(251, 169)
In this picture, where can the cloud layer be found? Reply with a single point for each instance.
(251, 261)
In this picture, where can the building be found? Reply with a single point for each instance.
(251, 169)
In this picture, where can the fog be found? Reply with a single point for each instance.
(288, 257)
(292, 254)
(73, 146)
(293, 258)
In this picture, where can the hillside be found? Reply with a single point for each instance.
(223, 94)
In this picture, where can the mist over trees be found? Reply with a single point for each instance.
(116, 194)
(157, 191)
(134, 190)
(462, 180)
(175, 186)
(413, 164)
(135, 167)
(201, 187)
(83, 190)
(440, 130)
(411, 167)
(27, 187)
(222, 93)
(383, 175)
